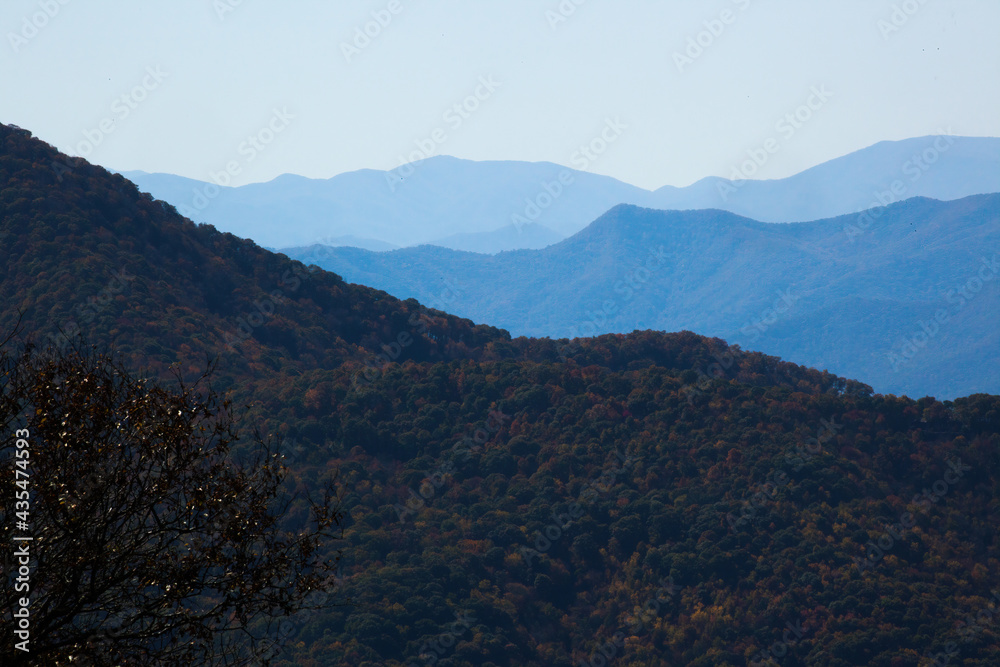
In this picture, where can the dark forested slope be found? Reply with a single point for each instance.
(903, 297)
(652, 498)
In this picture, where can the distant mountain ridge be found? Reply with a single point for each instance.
(532, 502)
(851, 294)
(467, 205)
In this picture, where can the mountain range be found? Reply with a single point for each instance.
(628, 499)
(495, 206)
(903, 297)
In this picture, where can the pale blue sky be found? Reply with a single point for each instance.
(222, 78)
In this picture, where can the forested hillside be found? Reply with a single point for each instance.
(902, 297)
(636, 499)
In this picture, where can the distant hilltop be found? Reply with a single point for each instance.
(494, 206)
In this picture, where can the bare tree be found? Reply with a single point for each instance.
(152, 541)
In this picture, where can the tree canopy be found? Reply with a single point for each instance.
(158, 535)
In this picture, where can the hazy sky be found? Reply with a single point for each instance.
(689, 87)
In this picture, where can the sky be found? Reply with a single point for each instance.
(650, 92)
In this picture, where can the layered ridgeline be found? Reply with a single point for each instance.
(904, 298)
(631, 499)
(493, 206)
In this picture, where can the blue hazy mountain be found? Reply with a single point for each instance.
(512, 237)
(442, 197)
(905, 298)
(494, 206)
(940, 167)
